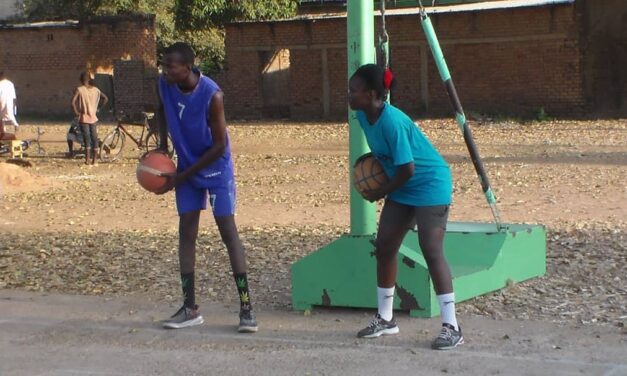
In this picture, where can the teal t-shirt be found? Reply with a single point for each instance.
(395, 140)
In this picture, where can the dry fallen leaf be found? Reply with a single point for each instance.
(93, 230)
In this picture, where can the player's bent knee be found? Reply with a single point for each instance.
(432, 255)
(383, 252)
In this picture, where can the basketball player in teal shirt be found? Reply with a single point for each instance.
(418, 194)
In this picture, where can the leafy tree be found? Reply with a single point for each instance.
(203, 21)
(217, 13)
(198, 22)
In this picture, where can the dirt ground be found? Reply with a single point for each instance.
(92, 230)
(72, 335)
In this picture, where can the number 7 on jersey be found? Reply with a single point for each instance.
(182, 107)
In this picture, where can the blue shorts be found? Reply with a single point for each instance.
(222, 198)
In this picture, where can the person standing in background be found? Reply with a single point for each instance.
(85, 105)
(8, 103)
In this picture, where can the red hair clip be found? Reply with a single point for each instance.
(388, 77)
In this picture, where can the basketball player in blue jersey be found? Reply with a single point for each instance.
(191, 109)
(418, 193)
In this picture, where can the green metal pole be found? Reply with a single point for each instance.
(360, 33)
(438, 56)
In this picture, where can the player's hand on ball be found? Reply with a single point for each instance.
(169, 185)
(373, 195)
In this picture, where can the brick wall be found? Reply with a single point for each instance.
(128, 84)
(44, 62)
(306, 85)
(112, 38)
(511, 61)
(243, 81)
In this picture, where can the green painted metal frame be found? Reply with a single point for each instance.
(343, 274)
(483, 256)
(361, 50)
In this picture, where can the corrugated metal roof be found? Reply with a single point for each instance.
(474, 7)
(106, 19)
(488, 5)
(41, 25)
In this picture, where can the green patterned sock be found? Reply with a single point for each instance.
(187, 283)
(241, 281)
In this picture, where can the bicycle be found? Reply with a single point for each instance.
(113, 144)
(8, 137)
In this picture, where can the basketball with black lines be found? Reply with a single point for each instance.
(368, 174)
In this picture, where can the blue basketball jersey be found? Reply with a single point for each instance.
(186, 116)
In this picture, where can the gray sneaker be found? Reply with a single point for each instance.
(247, 321)
(448, 339)
(183, 318)
(378, 327)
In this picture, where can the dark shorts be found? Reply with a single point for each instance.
(421, 217)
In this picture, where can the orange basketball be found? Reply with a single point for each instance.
(151, 170)
(368, 174)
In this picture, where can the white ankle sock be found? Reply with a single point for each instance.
(385, 297)
(447, 309)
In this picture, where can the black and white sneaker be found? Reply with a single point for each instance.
(184, 318)
(378, 327)
(247, 321)
(448, 339)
